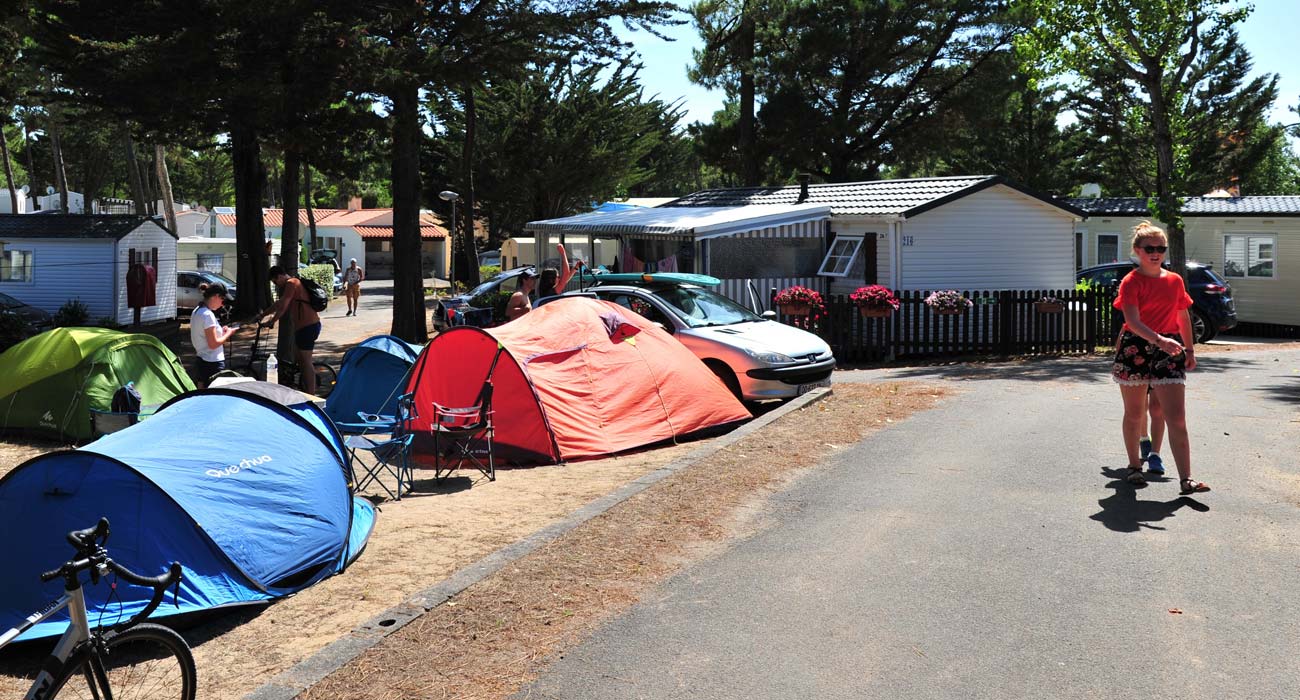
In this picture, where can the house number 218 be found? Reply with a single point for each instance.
(907, 240)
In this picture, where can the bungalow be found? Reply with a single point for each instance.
(1252, 241)
(45, 261)
(978, 232)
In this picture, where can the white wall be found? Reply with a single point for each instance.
(994, 239)
(76, 202)
(149, 235)
(353, 246)
(6, 206)
(78, 268)
(866, 228)
(1258, 299)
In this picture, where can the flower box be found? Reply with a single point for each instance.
(949, 312)
(795, 309)
(948, 302)
(1049, 307)
(799, 301)
(875, 311)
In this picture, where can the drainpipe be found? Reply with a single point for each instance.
(894, 256)
(804, 179)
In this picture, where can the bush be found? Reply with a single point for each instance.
(487, 272)
(72, 313)
(320, 274)
(108, 322)
(495, 300)
(13, 330)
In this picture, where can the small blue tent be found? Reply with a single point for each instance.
(373, 375)
(247, 489)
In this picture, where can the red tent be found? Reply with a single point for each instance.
(574, 378)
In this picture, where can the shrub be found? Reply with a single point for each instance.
(13, 330)
(320, 274)
(487, 272)
(108, 322)
(799, 295)
(948, 300)
(874, 296)
(72, 313)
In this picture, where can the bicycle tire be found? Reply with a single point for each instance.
(147, 661)
(326, 378)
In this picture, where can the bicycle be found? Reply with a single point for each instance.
(122, 661)
(289, 374)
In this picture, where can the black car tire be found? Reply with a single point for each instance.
(727, 376)
(1203, 331)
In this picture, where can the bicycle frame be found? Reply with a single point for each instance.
(78, 632)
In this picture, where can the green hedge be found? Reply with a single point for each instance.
(320, 274)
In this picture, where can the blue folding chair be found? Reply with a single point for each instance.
(388, 457)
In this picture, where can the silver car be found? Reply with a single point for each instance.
(757, 358)
(188, 295)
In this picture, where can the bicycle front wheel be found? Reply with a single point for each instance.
(326, 378)
(145, 662)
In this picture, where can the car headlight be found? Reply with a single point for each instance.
(771, 358)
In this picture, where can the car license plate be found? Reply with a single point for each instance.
(805, 388)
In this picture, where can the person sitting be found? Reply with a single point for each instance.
(519, 303)
(207, 335)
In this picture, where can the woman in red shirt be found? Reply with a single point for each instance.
(1155, 303)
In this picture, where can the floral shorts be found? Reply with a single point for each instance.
(1139, 362)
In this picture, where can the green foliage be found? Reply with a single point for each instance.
(320, 274)
(108, 322)
(495, 300)
(13, 330)
(486, 272)
(72, 313)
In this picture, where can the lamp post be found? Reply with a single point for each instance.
(449, 196)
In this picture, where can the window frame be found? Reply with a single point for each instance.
(849, 258)
(1249, 240)
(28, 265)
(1115, 236)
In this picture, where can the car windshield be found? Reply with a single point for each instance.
(214, 277)
(8, 302)
(488, 286)
(699, 307)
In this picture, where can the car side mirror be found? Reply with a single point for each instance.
(769, 315)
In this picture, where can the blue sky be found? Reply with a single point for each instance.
(1269, 34)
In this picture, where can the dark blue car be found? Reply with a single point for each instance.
(483, 306)
(1212, 307)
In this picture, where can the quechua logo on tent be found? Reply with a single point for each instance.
(243, 466)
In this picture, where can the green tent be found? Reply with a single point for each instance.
(50, 382)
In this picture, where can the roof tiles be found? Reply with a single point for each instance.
(1263, 205)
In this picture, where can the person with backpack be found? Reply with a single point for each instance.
(295, 298)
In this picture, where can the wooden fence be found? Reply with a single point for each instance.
(1008, 322)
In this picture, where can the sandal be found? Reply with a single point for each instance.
(1135, 476)
(1192, 486)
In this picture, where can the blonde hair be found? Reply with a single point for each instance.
(1146, 229)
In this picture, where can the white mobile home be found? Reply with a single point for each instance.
(1254, 242)
(48, 259)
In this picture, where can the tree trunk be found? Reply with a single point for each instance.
(409, 321)
(463, 252)
(149, 183)
(31, 164)
(1169, 207)
(9, 169)
(748, 142)
(306, 202)
(60, 174)
(289, 230)
(133, 174)
(250, 236)
(165, 187)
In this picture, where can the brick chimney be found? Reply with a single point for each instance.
(354, 203)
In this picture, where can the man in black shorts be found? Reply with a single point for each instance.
(306, 322)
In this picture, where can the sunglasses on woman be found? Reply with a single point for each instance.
(1155, 248)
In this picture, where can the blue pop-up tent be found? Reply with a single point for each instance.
(371, 378)
(245, 487)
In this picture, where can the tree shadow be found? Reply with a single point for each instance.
(1284, 391)
(1095, 367)
(1124, 512)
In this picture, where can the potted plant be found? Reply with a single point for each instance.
(874, 301)
(948, 302)
(1049, 305)
(798, 301)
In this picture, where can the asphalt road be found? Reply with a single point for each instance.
(988, 549)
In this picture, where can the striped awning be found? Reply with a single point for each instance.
(687, 223)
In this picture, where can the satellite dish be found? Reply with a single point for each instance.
(49, 189)
(25, 189)
(1091, 190)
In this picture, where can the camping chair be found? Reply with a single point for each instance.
(460, 432)
(125, 410)
(388, 457)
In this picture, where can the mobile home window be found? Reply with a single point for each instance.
(16, 266)
(839, 259)
(210, 262)
(1107, 248)
(1249, 255)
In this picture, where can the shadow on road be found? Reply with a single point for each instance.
(1041, 369)
(1284, 391)
(1123, 512)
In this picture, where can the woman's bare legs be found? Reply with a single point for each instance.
(1135, 418)
(1172, 402)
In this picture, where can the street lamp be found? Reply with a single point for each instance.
(449, 196)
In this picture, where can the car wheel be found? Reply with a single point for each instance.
(728, 377)
(1202, 330)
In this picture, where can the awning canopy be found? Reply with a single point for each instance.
(696, 223)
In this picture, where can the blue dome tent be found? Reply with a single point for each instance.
(371, 378)
(247, 489)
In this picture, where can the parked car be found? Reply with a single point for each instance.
(39, 320)
(482, 306)
(1212, 307)
(756, 357)
(188, 295)
(490, 258)
(325, 256)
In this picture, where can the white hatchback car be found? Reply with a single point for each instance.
(757, 358)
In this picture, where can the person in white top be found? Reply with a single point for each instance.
(208, 335)
(352, 278)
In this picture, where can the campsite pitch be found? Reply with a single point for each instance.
(439, 529)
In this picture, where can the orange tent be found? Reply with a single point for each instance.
(576, 377)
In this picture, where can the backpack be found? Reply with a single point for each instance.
(316, 294)
(126, 399)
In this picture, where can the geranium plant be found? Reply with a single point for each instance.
(948, 301)
(799, 296)
(874, 296)
(1050, 300)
